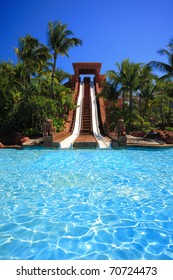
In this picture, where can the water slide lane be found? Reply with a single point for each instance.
(103, 142)
(68, 142)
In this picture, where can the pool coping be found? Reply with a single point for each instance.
(136, 142)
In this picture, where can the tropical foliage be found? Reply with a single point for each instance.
(147, 100)
(25, 87)
(166, 68)
(60, 40)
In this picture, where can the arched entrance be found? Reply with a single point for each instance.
(87, 68)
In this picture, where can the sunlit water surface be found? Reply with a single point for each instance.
(86, 204)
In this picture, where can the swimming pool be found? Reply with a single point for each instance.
(86, 204)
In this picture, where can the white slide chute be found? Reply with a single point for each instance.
(68, 142)
(103, 142)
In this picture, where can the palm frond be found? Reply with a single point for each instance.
(170, 45)
(168, 77)
(161, 66)
(163, 52)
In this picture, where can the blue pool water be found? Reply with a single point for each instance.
(86, 204)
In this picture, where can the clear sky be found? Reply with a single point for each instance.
(111, 30)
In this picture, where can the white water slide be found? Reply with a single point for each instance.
(68, 142)
(103, 142)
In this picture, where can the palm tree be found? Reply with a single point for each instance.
(166, 68)
(32, 55)
(147, 83)
(60, 40)
(131, 79)
(7, 76)
(128, 77)
(61, 75)
(110, 91)
(163, 99)
(116, 78)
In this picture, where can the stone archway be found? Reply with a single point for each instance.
(87, 68)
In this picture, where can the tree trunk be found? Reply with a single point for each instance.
(52, 77)
(161, 110)
(170, 109)
(139, 105)
(123, 97)
(130, 105)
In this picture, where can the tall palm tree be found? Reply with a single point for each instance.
(131, 79)
(166, 68)
(32, 55)
(116, 78)
(60, 40)
(147, 82)
(164, 98)
(128, 77)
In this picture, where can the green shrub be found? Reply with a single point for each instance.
(32, 133)
(168, 128)
(138, 124)
(58, 123)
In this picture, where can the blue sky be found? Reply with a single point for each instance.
(111, 30)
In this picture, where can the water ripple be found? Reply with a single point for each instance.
(86, 204)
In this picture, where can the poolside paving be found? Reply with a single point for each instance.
(143, 142)
(89, 141)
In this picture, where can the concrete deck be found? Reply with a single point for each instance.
(88, 141)
(141, 142)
